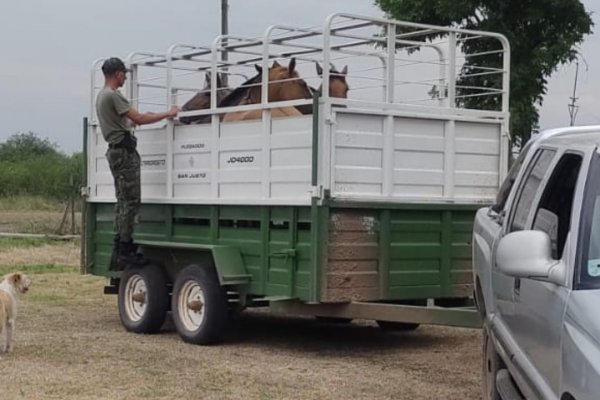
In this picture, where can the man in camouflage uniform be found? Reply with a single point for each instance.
(115, 116)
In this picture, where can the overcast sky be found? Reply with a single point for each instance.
(49, 46)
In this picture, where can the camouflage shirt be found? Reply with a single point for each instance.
(112, 107)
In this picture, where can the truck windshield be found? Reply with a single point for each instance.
(510, 179)
(589, 246)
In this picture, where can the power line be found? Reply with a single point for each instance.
(573, 107)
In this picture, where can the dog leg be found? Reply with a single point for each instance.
(9, 335)
(3, 336)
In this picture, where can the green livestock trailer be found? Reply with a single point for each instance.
(360, 207)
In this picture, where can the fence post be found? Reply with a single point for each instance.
(83, 244)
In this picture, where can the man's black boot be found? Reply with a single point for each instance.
(128, 255)
(114, 262)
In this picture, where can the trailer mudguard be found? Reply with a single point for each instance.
(227, 260)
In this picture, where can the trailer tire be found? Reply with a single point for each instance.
(397, 326)
(199, 304)
(143, 298)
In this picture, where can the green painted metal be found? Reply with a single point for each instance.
(315, 141)
(227, 259)
(465, 317)
(89, 223)
(430, 254)
(420, 251)
(260, 235)
(384, 252)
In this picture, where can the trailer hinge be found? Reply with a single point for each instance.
(85, 191)
(317, 191)
(330, 120)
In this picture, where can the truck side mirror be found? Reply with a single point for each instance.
(528, 254)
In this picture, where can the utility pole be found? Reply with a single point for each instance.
(224, 31)
(573, 107)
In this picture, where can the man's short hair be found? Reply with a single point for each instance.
(113, 65)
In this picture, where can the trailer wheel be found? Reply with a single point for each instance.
(143, 298)
(397, 326)
(491, 364)
(199, 305)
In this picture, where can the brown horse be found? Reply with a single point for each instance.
(284, 84)
(338, 87)
(201, 100)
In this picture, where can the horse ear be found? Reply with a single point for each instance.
(319, 69)
(345, 70)
(207, 79)
(219, 80)
(292, 65)
(258, 68)
(276, 64)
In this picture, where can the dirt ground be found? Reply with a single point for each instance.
(70, 345)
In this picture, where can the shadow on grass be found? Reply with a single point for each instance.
(306, 334)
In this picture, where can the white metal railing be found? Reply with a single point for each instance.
(347, 38)
(392, 65)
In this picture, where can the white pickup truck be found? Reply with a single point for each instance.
(536, 257)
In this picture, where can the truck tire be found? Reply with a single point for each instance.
(199, 305)
(397, 326)
(491, 364)
(143, 298)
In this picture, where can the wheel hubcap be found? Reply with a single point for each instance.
(191, 307)
(136, 298)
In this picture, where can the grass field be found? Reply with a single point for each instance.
(29, 214)
(70, 345)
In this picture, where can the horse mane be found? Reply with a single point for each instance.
(239, 93)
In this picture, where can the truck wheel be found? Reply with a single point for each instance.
(397, 326)
(143, 298)
(491, 363)
(199, 305)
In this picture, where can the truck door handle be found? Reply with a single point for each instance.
(517, 286)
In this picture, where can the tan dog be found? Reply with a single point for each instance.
(11, 285)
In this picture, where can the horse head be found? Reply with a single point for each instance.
(201, 100)
(338, 87)
(286, 84)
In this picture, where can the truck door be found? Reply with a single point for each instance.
(539, 306)
(505, 288)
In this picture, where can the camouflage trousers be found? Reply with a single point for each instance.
(125, 168)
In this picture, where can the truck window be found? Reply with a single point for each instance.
(553, 214)
(588, 259)
(508, 183)
(529, 188)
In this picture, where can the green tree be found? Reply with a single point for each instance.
(25, 146)
(543, 34)
(30, 165)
